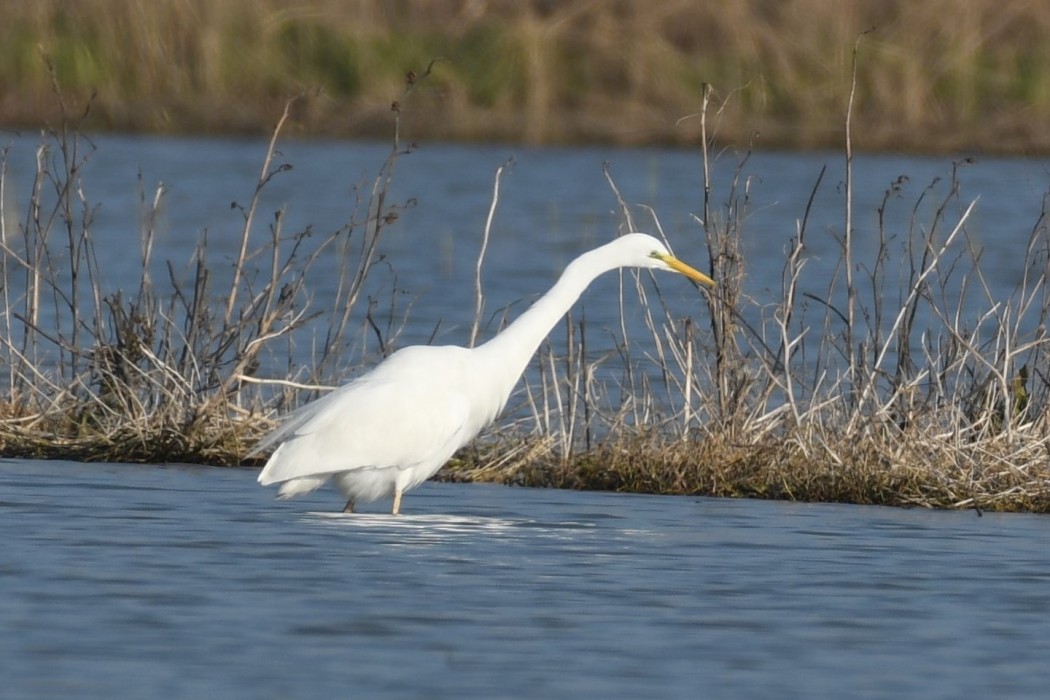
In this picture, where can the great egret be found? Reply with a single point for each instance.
(393, 428)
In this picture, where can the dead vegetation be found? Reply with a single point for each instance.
(943, 74)
(907, 384)
(165, 371)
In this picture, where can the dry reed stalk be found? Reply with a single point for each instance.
(159, 374)
(925, 404)
(922, 405)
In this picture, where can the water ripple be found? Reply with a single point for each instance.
(188, 582)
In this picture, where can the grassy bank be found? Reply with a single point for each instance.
(907, 382)
(943, 74)
(880, 390)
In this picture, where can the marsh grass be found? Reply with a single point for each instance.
(907, 382)
(167, 370)
(942, 73)
(904, 382)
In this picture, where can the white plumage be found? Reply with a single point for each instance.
(395, 427)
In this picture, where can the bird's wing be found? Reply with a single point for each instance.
(376, 421)
(292, 422)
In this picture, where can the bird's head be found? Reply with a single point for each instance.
(652, 253)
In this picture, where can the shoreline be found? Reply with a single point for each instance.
(778, 138)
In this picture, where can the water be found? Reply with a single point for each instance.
(554, 204)
(183, 582)
(172, 582)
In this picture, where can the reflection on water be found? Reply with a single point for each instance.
(191, 582)
(415, 528)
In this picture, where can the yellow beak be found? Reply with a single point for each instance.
(693, 274)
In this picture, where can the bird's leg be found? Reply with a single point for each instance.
(349, 507)
(397, 501)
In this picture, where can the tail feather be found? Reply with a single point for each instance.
(297, 487)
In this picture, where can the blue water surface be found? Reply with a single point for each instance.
(186, 582)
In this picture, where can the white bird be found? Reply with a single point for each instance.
(392, 429)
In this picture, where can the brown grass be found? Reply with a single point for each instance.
(845, 397)
(894, 470)
(941, 75)
(161, 373)
(841, 397)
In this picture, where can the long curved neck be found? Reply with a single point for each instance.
(512, 349)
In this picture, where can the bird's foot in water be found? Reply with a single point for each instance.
(349, 507)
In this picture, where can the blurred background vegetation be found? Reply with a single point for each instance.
(934, 75)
